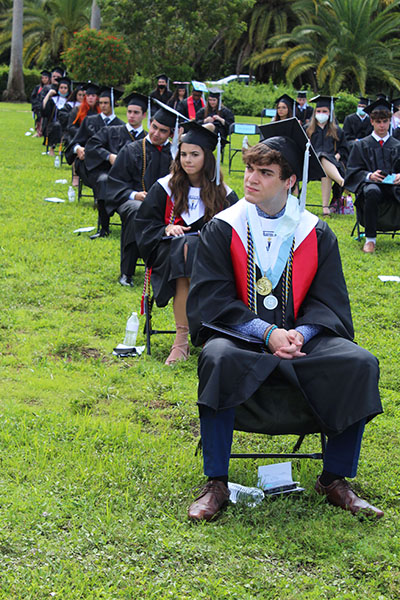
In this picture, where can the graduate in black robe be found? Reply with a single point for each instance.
(215, 114)
(304, 111)
(137, 166)
(53, 103)
(36, 100)
(161, 92)
(371, 159)
(75, 152)
(329, 142)
(357, 125)
(101, 151)
(297, 305)
(160, 223)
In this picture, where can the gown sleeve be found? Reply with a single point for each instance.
(150, 222)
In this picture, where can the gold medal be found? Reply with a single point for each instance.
(263, 286)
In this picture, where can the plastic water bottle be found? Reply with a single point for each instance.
(71, 194)
(132, 327)
(245, 142)
(246, 495)
(57, 161)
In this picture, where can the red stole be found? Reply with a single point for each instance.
(191, 108)
(169, 207)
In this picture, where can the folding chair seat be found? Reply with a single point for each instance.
(249, 129)
(147, 310)
(278, 408)
(388, 218)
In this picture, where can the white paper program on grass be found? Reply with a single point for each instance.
(55, 200)
(83, 229)
(277, 479)
(389, 277)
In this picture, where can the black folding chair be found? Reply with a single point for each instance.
(147, 310)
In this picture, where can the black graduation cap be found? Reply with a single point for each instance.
(289, 138)
(181, 84)
(162, 76)
(199, 135)
(45, 73)
(65, 80)
(286, 99)
(215, 92)
(381, 96)
(137, 99)
(165, 115)
(91, 88)
(324, 101)
(108, 92)
(380, 104)
(363, 100)
(301, 94)
(58, 70)
(395, 102)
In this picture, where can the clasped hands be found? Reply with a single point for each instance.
(286, 343)
(378, 176)
(176, 230)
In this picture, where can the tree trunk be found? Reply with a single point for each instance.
(15, 91)
(95, 18)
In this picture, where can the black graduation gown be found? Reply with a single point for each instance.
(355, 128)
(126, 174)
(183, 107)
(166, 257)
(326, 147)
(53, 130)
(304, 115)
(338, 379)
(108, 140)
(165, 98)
(225, 113)
(366, 157)
(90, 125)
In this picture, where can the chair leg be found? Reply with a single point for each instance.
(298, 444)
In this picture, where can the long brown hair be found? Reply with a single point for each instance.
(83, 110)
(208, 109)
(331, 127)
(212, 195)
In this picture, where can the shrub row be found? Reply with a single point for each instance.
(31, 78)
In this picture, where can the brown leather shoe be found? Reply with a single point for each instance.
(213, 496)
(339, 493)
(369, 247)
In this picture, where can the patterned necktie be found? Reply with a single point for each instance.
(107, 120)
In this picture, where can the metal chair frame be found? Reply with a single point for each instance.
(147, 310)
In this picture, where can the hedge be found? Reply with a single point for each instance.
(31, 78)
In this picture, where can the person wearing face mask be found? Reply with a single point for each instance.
(161, 92)
(53, 102)
(357, 125)
(330, 144)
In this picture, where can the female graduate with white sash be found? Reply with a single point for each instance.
(170, 218)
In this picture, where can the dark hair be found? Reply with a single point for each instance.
(261, 155)
(213, 196)
(208, 109)
(380, 114)
(289, 115)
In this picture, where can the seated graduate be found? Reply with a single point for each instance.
(330, 144)
(161, 92)
(395, 102)
(370, 161)
(357, 125)
(215, 115)
(73, 103)
(174, 210)
(304, 111)
(191, 106)
(268, 268)
(36, 101)
(102, 148)
(180, 94)
(137, 166)
(75, 152)
(52, 104)
(284, 108)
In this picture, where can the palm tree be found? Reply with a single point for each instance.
(341, 43)
(15, 85)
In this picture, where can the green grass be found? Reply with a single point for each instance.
(97, 453)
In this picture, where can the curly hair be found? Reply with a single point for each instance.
(212, 195)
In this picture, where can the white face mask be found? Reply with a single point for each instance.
(322, 117)
(360, 111)
(290, 219)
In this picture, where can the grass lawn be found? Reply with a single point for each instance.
(97, 453)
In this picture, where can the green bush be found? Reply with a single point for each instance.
(345, 105)
(98, 56)
(31, 78)
(141, 84)
(253, 98)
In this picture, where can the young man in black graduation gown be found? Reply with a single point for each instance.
(137, 166)
(102, 148)
(191, 106)
(304, 111)
(75, 152)
(371, 160)
(357, 125)
(296, 304)
(161, 92)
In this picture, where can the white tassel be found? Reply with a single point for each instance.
(175, 139)
(148, 113)
(303, 192)
(218, 166)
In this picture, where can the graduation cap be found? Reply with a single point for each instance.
(395, 103)
(137, 99)
(65, 80)
(216, 93)
(163, 76)
(381, 96)
(110, 92)
(199, 86)
(197, 134)
(168, 116)
(288, 138)
(301, 94)
(380, 104)
(45, 73)
(91, 88)
(325, 102)
(363, 100)
(181, 85)
(290, 103)
(78, 85)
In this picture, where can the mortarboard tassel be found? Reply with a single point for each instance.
(148, 113)
(175, 139)
(331, 115)
(218, 165)
(303, 192)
